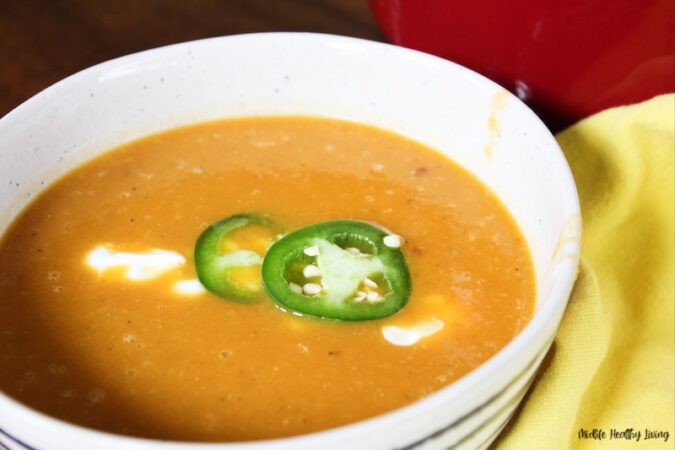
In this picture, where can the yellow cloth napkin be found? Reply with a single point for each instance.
(612, 364)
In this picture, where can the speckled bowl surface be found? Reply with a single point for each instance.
(450, 108)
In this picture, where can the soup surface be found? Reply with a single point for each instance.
(154, 355)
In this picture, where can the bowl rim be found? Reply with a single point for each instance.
(533, 332)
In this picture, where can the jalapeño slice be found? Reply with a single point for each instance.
(343, 269)
(228, 255)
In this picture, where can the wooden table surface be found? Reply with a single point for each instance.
(43, 41)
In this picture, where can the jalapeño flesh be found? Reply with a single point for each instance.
(341, 269)
(228, 255)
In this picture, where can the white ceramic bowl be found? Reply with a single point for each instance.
(448, 107)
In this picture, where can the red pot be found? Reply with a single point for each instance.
(566, 58)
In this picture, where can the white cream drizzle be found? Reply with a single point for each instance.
(410, 335)
(140, 266)
(188, 287)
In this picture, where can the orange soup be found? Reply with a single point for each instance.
(104, 323)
